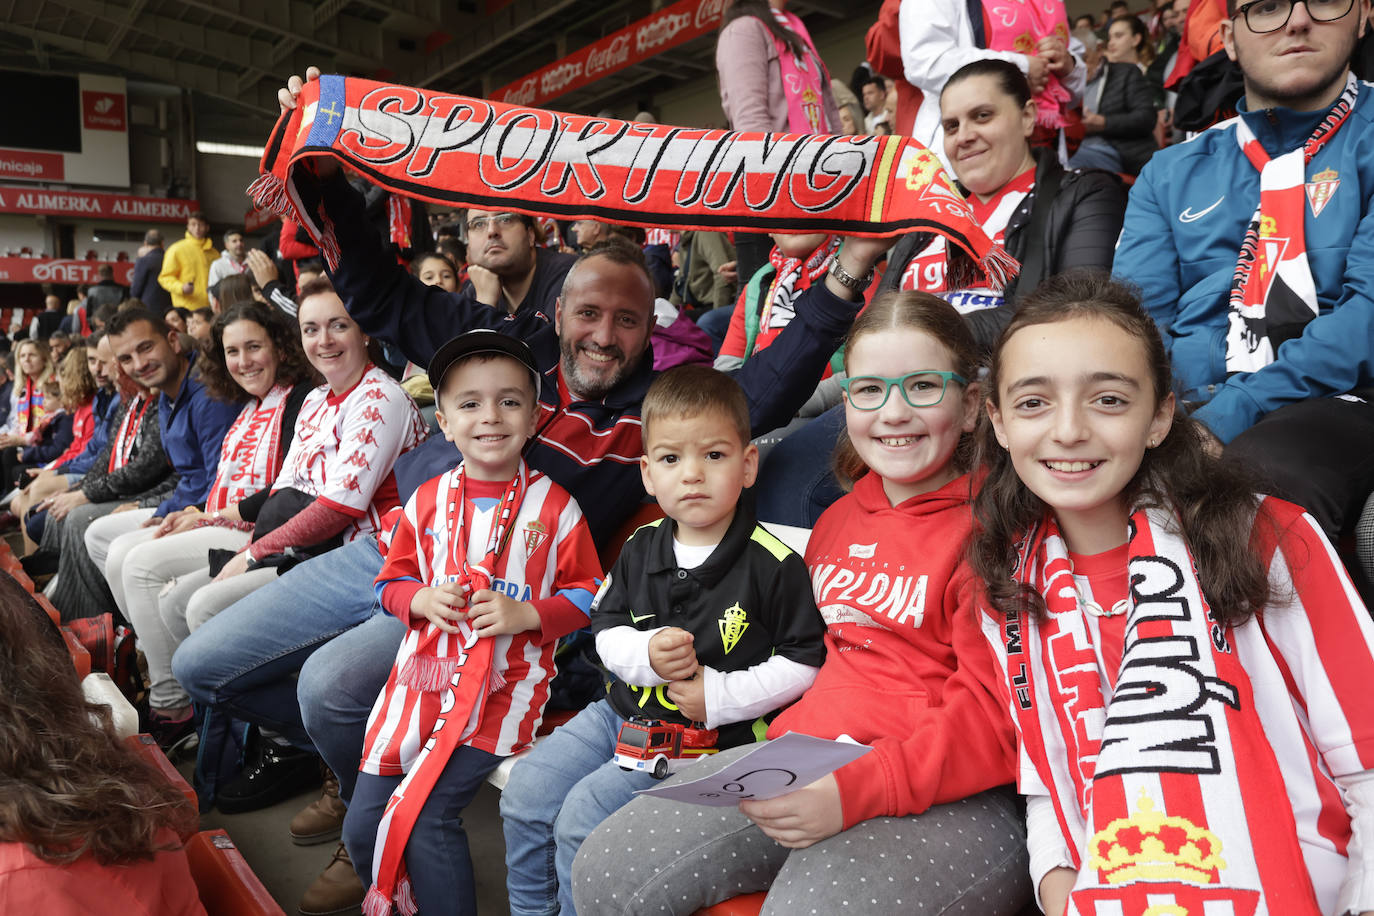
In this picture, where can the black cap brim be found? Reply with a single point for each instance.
(482, 340)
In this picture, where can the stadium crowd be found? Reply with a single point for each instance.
(1098, 566)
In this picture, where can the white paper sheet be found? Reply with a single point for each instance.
(775, 768)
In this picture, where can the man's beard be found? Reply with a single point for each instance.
(1284, 97)
(592, 388)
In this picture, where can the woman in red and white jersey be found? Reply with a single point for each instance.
(336, 481)
(254, 356)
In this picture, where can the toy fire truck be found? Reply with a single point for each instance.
(658, 748)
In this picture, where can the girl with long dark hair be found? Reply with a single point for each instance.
(1187, 663)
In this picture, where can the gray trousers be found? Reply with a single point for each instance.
(660, 857)
(80, 589)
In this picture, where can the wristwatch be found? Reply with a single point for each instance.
(850, 282)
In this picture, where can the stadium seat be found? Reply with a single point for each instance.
(81, 659)
(608, 551)
(145, 746)
(53, 613)
(746, 905)
(552, 720)
(227, 885)
(23, 579)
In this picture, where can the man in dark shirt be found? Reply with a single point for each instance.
(145, 287)
(507, 269)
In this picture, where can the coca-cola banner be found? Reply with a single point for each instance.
(94, 205)
(639, 41)
(60, 270)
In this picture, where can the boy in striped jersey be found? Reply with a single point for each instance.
(489, 565)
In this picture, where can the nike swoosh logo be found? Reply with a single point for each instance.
(635, 619)
(1188, 216)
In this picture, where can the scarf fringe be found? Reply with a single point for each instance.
(405, 898)
(427, 673)
(376, 903)
(268, 193)
(999, 267)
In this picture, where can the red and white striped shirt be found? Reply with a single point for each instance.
(345, 446)
(550, 562)
(1310, 657)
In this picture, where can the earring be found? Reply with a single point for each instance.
(1150, 444)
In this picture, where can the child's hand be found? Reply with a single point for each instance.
(440, 605)
(671, 654)
(689, 696)
(495, 614)
(799, 819)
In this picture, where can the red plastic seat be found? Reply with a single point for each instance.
(53, 613)
(609, 550)
(145, 746)
(22, 578)
(227, 885)
(747, 905)
(81, 659)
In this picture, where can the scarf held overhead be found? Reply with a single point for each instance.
(467, 152)
(1163, 782)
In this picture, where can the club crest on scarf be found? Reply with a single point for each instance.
(1154, 864)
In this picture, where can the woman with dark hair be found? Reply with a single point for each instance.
(254, 357)
(232, 290)
(1182, 656)
(1047, 218)
(771, 79)
(85, 826)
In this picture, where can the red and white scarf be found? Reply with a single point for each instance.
(122, 449)
(804, 81)
(30, 410)
(1018, 25)
(1272, 269)
(1165, 786)
(927, 271)
(460, 664)
(791, 278)
(465, 152)
(251, 454)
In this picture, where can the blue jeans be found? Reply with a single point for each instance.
(1097, 153)
(243, 659)
(795, 482)
(716, 324)
(436, 855)
(556, 795)
(338, 686)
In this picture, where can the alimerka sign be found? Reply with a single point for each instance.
(95, 205)
(637, 42)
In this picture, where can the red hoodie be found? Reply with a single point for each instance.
(906, 668)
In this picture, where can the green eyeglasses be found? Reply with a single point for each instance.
(922, 388)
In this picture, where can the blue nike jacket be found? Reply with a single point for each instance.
(1185, 222)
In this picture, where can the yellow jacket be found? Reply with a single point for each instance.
(188, 261)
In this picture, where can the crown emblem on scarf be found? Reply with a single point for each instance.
(1151, 846)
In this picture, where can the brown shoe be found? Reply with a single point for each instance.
(336, 891)
(321, 820)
